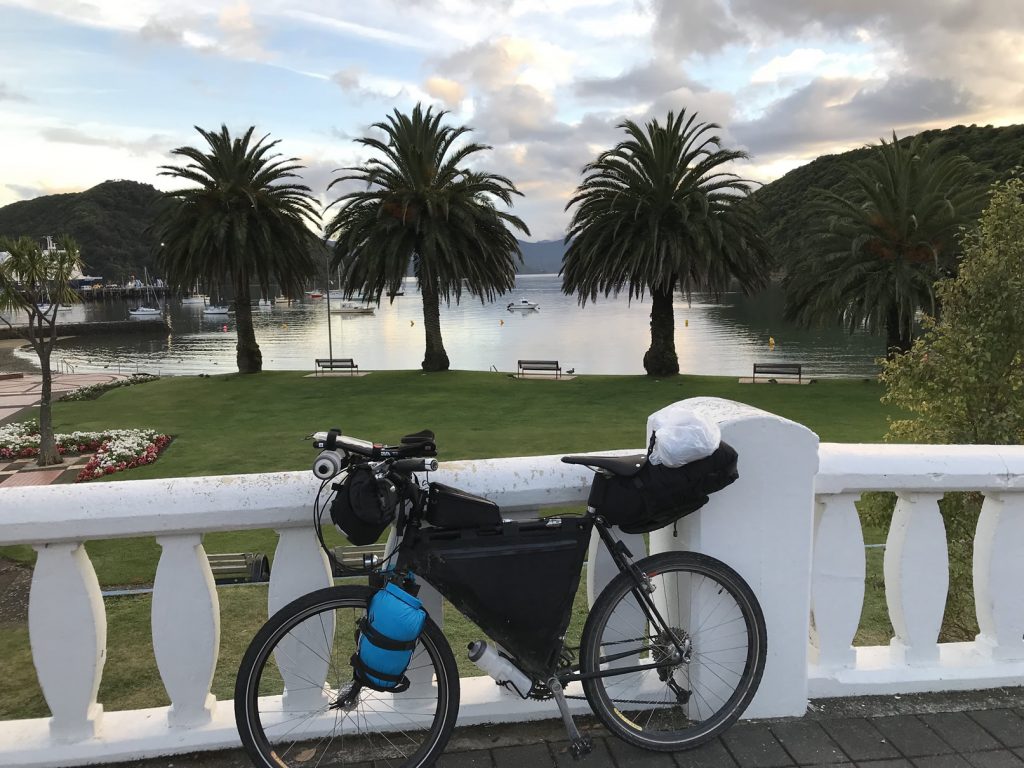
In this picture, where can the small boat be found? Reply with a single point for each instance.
(144, 312)
(64, 308)
(522, 304)
(348, 308)
(266, 303)
(315, 293)
(214, 309)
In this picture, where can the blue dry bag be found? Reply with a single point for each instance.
(387, 638)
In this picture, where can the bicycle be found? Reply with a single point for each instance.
(670, 655)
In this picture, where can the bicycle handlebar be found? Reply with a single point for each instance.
(334, 441)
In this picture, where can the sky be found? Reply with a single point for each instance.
(104, 89)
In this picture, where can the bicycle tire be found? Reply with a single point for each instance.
(403, 730)
(640, 707)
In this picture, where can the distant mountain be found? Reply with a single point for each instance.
(542, 257)
(786, 201)
(109, 222)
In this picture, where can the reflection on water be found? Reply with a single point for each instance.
(722, 337)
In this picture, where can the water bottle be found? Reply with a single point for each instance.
(501, 669)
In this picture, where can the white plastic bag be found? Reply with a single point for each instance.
(681, 436)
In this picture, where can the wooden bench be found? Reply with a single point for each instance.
(540, 366)
(779, 369)
(239, 567)
(336, 364)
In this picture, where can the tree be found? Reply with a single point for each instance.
(658, 212)
(35, 282)
(245, 222)
(875, 253)
(418, 204)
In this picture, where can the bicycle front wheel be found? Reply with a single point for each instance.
(690, 696)
(294, 704)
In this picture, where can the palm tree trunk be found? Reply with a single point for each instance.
(435, 358)
(897, 338)
(661, 359)
(250, 359)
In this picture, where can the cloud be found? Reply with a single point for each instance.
(643, 82)
(451, 92)
(347, 79)
(694, 26)
(27, 192)
(6, 94)
(837, 112)
(153, 144)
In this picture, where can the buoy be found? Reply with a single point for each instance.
(501, 322)
(412, 323)
(686, 323)
(771, 342)
(224, 328)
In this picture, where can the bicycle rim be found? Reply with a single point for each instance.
(289, 694)
(712, 613)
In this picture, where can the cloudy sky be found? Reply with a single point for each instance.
(99, 89)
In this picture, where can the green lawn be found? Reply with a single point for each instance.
(239, 424)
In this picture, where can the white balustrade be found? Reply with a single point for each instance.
(793, 535)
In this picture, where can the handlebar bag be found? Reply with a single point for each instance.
(658, 495)
(516, 581)
(387, 639)
(363, 506)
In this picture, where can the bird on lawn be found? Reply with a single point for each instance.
(571, 371)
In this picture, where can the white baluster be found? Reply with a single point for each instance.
(998, 576)
(916, 578)
(67, 628)
(301, 567)
(837, 580)
(186, 628)
(420, 672)
(601, 569)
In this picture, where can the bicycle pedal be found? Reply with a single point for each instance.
(580, 747)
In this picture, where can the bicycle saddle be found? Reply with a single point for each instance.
(623, 466)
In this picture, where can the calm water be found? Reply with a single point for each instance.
(608, 336)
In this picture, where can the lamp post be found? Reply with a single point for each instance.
(330, 341)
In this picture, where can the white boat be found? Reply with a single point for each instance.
(64, 308)
(265, 303)
(350, 308)
(215, 309)
(316, 293)
(144, 310)
(522, 304)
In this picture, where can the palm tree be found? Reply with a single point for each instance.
(656, 212)
(419, 204)
(36, 281)
(877, 249)
(245, 222)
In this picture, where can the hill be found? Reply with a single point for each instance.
(995, 152)
(109, 222)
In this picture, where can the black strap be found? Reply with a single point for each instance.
(383, 641)
(362, 673)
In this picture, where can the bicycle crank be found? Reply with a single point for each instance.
(579, 745)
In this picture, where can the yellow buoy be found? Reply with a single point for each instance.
(501, 322)
(412, 323)
(771, 342)
(686, 323)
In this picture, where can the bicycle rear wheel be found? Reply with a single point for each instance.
(691, 698)
(290, 694)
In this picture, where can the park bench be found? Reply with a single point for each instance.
(239, 567)
(779, 369)
(540, 366)
(336, 364)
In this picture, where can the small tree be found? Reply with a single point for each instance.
(34, 282)
(963, 380)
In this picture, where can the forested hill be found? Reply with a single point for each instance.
(995, 151)
(109, 222)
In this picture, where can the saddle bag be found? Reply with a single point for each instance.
(658, 495)
(387, 638)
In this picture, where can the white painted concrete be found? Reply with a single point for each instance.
(790, 532)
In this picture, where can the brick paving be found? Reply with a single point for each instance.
(982, 738)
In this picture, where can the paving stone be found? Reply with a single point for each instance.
(898, 763)
(710, 755)
(859, 739)
(519, 757)
(808, 743)
(476, 759)
(42, 477)
(754, 746)
(960, 732)
(628, 756)
(910, 736)
(598, 758)
(999, 758)
(1006, 726)
(941, 761)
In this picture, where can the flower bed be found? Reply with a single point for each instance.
(116, 449)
